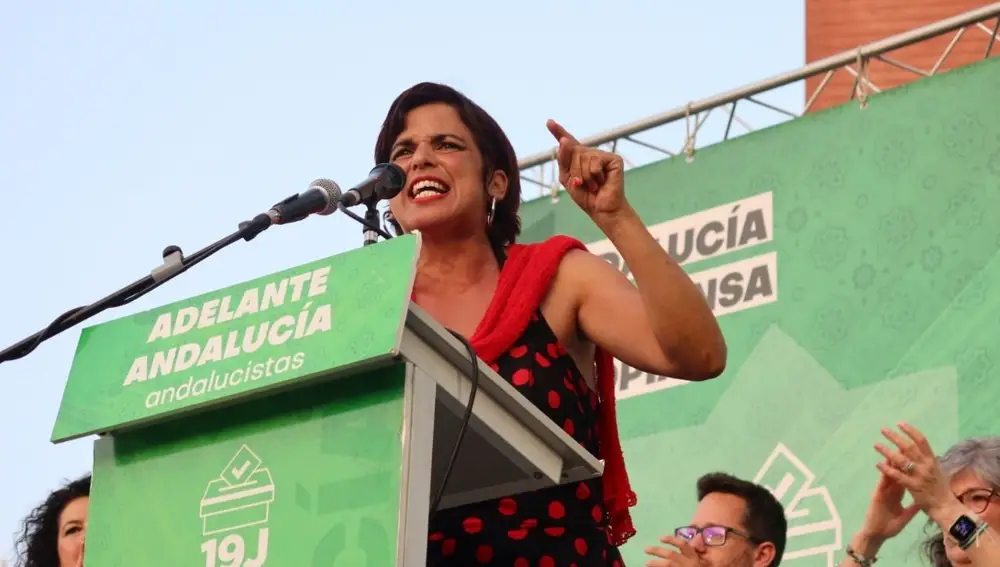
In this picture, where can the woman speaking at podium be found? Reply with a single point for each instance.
(548, 317)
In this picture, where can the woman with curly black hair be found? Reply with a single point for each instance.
(53, 533)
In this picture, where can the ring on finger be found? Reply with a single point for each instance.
(908, 467)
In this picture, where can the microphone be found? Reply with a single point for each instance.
(385, 181)
(321, 198)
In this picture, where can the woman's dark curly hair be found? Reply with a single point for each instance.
(495, 147)
(38, 543)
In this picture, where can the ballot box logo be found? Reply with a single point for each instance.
(814, 526)
(237, 503)
(240, 497)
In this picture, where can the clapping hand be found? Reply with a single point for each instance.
(914, 466)
(683, 556)
(886, 516)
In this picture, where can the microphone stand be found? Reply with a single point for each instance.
(174, 264)
(369, 224)
(371, 216)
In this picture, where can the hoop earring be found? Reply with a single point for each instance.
(493, 210)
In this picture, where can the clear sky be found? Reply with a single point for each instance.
(129, 126)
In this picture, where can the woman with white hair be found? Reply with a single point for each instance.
(959, 493)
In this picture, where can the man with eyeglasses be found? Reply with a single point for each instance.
(736, 524)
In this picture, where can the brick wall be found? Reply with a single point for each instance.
(833, 26)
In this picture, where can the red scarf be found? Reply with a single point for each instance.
(524, 282)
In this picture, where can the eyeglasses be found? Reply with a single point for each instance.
(978, 499)
(713, 536)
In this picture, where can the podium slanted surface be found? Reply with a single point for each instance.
(302, 418)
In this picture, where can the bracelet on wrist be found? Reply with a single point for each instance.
(860, 559)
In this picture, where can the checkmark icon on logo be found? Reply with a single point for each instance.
(241, 470)
(241, 467)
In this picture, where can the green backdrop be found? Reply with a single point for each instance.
(850, 256)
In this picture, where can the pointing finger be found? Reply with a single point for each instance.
(558, 132)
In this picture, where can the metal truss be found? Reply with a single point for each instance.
(541, 173)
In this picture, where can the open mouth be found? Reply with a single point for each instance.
(428, 188)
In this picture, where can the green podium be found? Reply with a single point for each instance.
(299, 419)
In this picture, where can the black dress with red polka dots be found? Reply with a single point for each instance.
(561, 526)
